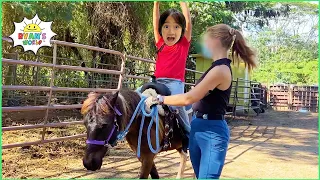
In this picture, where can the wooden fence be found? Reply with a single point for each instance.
(293, 97)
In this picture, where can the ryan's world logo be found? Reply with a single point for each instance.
(32, 34)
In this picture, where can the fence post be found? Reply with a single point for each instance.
(35, 76)
(122, 69)
(290, 96)
(15, 70)
(249, 97)
(235, 100)
(51, 86)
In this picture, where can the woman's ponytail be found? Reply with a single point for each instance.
(232, 39)
(240, 49)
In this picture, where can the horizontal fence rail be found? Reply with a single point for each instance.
(52, 88)
(61, 124)
(8, 146)
(65, 67)
(67, 89)
(40, 108)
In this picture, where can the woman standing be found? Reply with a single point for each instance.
(209, 136)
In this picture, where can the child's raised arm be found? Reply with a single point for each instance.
(156, 17)
(186, 13)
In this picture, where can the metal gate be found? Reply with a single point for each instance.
(54, 66)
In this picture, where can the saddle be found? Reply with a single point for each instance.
(170, 117)
(159, 88)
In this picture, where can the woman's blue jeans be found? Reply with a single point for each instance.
(208, 144)
(176, 87)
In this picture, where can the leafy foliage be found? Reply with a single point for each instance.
(292, 61)
(127, 27)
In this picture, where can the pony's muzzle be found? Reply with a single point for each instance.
(92, 163)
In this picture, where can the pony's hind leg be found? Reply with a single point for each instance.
(154, 172)
(147, 166)
(183, 160)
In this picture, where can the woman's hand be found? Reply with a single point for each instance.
(150, 101)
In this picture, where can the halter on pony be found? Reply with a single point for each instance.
(115, 125)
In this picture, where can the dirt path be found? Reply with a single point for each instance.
(272, 145)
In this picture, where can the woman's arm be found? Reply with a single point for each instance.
(156, 17)
(187, 16)
(213, 79)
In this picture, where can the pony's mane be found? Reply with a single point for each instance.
(95, 103)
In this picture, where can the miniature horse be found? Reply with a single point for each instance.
(103, 123)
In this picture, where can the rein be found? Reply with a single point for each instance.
(154, 114)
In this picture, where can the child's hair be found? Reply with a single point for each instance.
(232, 38)
(177, 16)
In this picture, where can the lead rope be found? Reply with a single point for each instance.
(154, 114)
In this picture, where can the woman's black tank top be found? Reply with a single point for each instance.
(216, 101)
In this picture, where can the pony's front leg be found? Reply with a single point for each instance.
(183, 160)
(154, 172)
(147, 167)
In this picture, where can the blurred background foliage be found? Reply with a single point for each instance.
(285, 36)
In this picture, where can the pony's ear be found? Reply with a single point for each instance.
(114, 98)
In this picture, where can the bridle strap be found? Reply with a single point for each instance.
(105, 142)
(116, 111)
(110, 134)
(102, 143)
